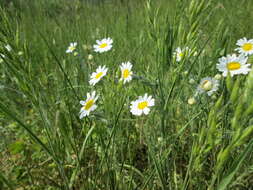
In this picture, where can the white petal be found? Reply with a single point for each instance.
(82, 103)
(146, 111)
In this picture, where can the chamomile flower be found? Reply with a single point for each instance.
(142, 105)
(126, 73)
(208, 85)
(180, 53)
(245, 46)
(103, 45)
(72, 47)
(234, 64)
(88, 105)
(96, 76)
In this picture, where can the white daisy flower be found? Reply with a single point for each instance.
(180, 53)
(96, 76)
(208, 85)
(246, 46)
(8, 47)
(234, 64)
(126, 73)
(103, 45)
(142, 105)
(88, 105)
(72, 47)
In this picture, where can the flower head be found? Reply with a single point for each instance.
(96, 76)
(191, 101)
(103, 45)
(142, 105)
(180, 53)
(90, 57)
(208, 85)
(72, 47)
(218, 76)
(234, 64)
(88, 105)
(245, 46)
(126, 73)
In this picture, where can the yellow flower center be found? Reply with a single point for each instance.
(181, 54)
(233, 66)
(103, 45)
(142, 105)
(125, 73)
(247, 47)
(98, 75)
(207, 85)
(89, 104)
(72, 48)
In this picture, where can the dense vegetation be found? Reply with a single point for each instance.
(188, 140)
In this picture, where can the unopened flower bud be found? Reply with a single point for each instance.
(192, 101)
(90, 57)
(207, 85)
(191, 81)
(218, 76)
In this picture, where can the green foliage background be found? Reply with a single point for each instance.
(44, 144)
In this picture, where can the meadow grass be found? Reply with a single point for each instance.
(177, 146)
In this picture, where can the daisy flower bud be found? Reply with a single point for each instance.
(192, 101)
(90, 57)
(191, 81)
(218, 76)
(208, 85)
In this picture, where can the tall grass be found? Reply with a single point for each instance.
(177, 146)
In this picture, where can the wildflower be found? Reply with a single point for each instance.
(218, 76)
(103, 45)
(142, 105)
(126, 73)
(192, 101)
(159, 139)
(72, 47)
(191, 81)
(186, 72)
(208, 85)
(245, 46)
(20, 53)
(88, 105)
(90, 57)
(8, 47)
(96, 76)
(234, 64)
(180, 53)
